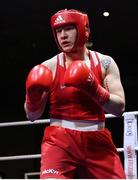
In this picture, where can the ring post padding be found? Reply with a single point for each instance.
(130, 142)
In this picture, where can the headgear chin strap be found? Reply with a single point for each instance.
(78, 19)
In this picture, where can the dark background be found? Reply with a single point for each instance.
(26, 40)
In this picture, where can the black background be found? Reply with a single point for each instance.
(26, 40)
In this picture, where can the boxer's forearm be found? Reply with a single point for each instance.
(115, 105)
(34, 115)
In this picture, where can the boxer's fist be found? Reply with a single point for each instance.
(39, 80)
(80, 76)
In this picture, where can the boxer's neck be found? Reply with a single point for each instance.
(81, 54)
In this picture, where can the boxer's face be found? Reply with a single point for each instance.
(66, 37)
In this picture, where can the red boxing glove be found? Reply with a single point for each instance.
(38, 81)
(80, 76)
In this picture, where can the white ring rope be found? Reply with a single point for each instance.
(42, 121)
(22, 123)
(20, 157)
(36, 156)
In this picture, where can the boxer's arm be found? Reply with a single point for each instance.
(38, 83)
(80, 76)
(112, 82)
(33, 115)
(110, 96)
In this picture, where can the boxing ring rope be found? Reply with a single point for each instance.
(129, 148)
(42, 121)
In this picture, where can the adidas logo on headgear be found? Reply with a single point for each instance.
(59, 19)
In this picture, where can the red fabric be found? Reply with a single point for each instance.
(76, 104)
(38, 81)
(75, 154)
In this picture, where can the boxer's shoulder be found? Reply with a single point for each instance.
(51, 64)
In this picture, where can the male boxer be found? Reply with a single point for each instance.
(82, 85)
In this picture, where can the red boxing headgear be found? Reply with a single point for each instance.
(78, 19)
